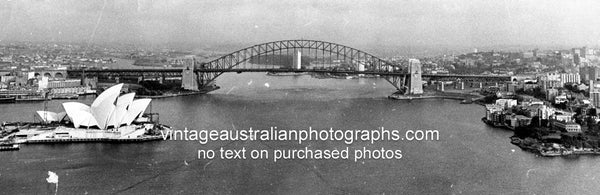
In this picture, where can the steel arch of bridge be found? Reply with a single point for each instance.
(207, 72)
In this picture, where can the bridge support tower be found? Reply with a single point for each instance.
(189, 79)
(415, 83)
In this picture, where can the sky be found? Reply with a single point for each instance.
(467, 23)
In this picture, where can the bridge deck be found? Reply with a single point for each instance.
(280, 70)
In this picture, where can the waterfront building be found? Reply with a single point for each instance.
(64, 83)
(540, 110)
(66, 87)
(563, 116)
(492, 111)
(506, 103)
(519, 121)
(544, 112)
(570, 127)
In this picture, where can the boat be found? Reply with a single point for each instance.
(467, 100)
(285, 73)
(24, 95)
(7, 146)
(87, 92)
(64, 96)
(492, 123)
(5, 100)
(31, 98)
(550, 153)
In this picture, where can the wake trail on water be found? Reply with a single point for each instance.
(186, 163)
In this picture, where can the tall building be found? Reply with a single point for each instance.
(595, 97)
(584, 73)
(415, 84)
(594, 73)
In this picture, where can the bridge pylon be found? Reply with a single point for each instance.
(189, 78)
(415, 84)
(192, 79)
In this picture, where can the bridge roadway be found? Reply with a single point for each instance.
(178, 72)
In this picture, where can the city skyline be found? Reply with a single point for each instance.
(385, 23)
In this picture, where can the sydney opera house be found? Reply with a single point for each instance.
(110, 116)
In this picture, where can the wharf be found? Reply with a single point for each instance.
(105, 140)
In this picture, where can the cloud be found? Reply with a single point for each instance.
(354, 22)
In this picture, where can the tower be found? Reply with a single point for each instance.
(189, 81)
(297, 60)
(591, 87)
(415, 84)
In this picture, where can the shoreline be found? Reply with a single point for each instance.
(534, 145)
(529, 144)
(181, 93)
(538, 146)
(455, 95)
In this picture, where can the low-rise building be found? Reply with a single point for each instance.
(563, 116)
(519, 121)
(506, 103)
(551, 94)
(492, 110)
(560, 99)
(570, 127)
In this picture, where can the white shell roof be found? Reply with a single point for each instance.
(104, 105)
(103, 112)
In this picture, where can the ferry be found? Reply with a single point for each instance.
(8, 145)
(550, 153)
(285, 73)
(7, 100)
(467, 100)
(64, 96)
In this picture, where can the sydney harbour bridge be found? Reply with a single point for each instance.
(311, 56)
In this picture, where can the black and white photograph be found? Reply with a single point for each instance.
(299, 97)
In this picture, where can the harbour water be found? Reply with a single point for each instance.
(469, 158)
